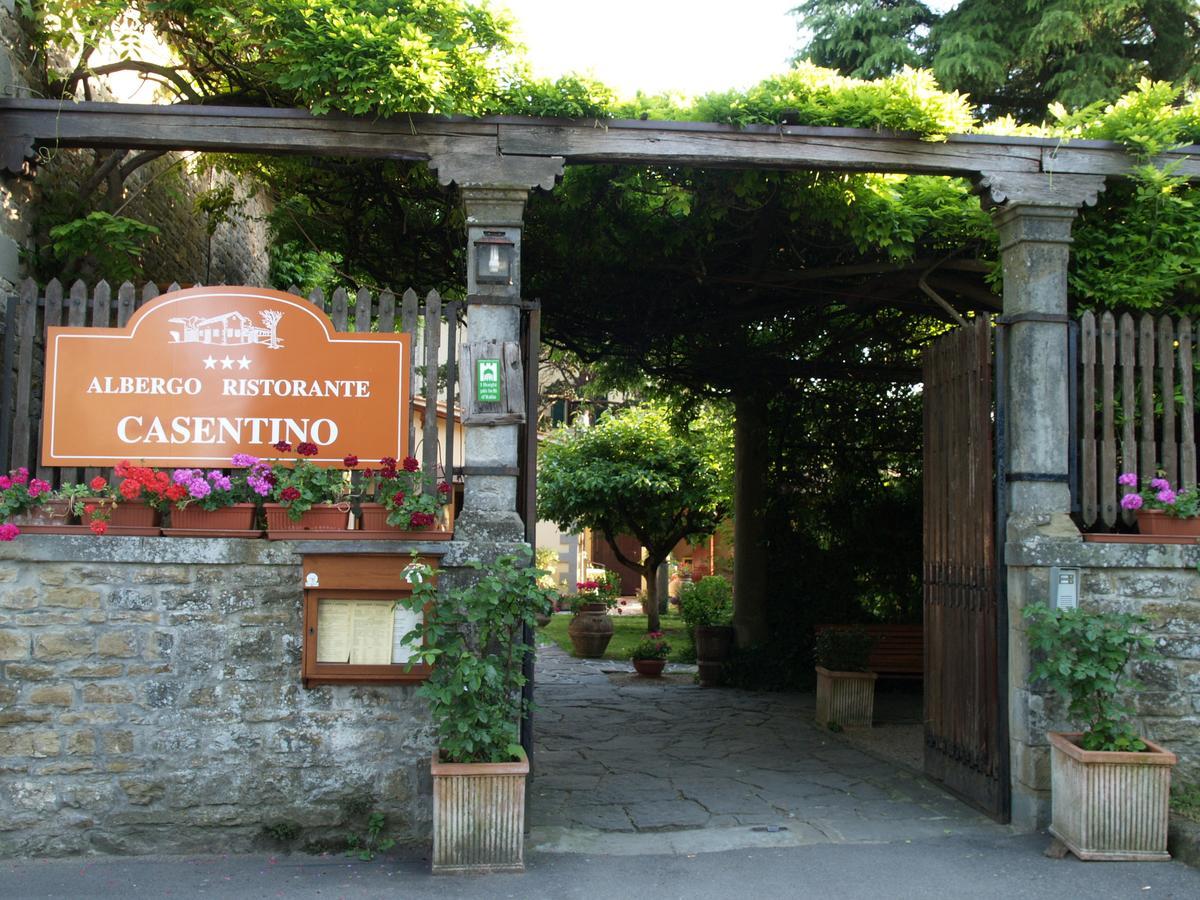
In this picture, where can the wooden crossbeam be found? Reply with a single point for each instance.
(27, 124)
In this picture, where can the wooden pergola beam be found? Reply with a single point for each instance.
(459, 142)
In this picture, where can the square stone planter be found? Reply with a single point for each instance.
(845, 698)
(1110, 805)
(478, 817)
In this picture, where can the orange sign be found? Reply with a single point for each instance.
(201, 374)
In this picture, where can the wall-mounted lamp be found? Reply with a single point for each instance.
(494, 258)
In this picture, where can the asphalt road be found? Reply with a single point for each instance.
(1009, 867)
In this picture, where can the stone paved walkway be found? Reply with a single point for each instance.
(620, 755)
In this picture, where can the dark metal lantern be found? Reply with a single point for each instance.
(494, 258)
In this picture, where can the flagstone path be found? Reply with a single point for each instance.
(618, 754)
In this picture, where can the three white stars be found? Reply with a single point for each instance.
(227, 362)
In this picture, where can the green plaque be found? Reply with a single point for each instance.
(487, 380)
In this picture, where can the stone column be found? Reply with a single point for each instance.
(493, 314)
(1034, 215)
(494, 190)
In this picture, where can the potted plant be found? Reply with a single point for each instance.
(1160, 509)
(707, 609)
(306, 497)
(473, 639)
(28, 502)
(590, 629)
(650, 655)
(404, 501)
(1109, 787)
(211, 503)
(134, 507)
(845, 689)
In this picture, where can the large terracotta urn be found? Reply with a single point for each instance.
(590, 631)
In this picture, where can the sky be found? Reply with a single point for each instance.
(689, 46)
(658, 45)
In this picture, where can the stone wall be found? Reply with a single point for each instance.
(1158, 580)
(150, 702)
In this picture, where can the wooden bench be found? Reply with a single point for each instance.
(899, 650)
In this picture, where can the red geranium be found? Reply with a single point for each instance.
(282, 446)
(98, 483)
(350, 461)
(307, 449)
(411, 464)
(98, 526)
(421, 520)
(444, 488)
(175, 492)
(290, 493)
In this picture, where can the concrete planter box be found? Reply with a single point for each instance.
(846, 698)
(1110, 805)
(478, 817)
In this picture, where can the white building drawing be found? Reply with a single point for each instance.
(229, 329)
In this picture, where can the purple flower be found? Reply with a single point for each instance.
(1159, 484)
(219, 481)
(1166, 495)
(243, 460)
(1131, 501)
(183, 476)
(1129, 479)
(260, 486)
(199, 488)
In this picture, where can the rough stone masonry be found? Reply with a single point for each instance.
(151, 702)
(1156, 580)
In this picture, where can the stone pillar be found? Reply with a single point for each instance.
(750, 561)
(1034, 215)
(494, 190)
(493, 314)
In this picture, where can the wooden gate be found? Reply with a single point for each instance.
(965, 726)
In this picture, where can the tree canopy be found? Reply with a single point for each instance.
(635, 474)
(1012, 56)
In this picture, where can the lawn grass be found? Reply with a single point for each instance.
(627, 632)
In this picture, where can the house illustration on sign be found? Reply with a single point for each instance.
(230, 329)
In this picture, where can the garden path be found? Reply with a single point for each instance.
(620, 758)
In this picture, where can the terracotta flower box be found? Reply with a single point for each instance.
(323, 520)
(1157, 522)
(230, 521)
(129, 518)
(1110, 805)
(51, 517)
(845, 698)
(373, 524)
(478, 817)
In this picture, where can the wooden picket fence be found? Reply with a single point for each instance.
(1137, 409)
(32, 310)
